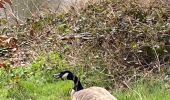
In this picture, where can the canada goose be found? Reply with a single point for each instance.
(79, 93)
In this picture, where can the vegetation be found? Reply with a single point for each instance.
(36, 82)
(120, 45)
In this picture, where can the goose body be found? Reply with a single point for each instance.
(92, 93)
(79, 93)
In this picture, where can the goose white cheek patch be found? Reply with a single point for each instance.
(65, 75)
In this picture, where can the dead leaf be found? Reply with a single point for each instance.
(2, 38)
(10, 42)
(2, 65)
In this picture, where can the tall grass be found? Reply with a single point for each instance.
(36, 82)
(60, 90)
(145, 90)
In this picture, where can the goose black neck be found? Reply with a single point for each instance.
(77, 84)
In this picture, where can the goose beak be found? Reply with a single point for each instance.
(57, 76)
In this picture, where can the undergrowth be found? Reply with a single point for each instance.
(120, 45)
(36, 82)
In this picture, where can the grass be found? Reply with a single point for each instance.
(28, 90)
(146, 90)
(24, 90)
(40, 86)
(36, 82)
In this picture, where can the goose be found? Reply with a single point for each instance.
(79, 93)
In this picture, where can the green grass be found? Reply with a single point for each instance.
(145, 90)
(24, 90)
(36, 82)
(48, 91)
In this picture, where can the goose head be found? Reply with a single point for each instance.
(65, 75)
(70, 76)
